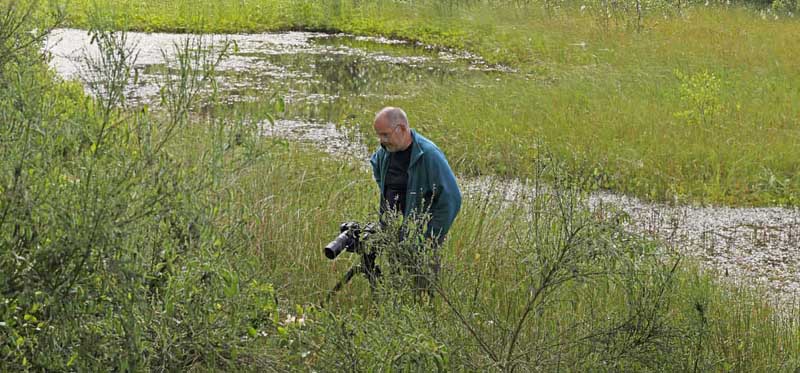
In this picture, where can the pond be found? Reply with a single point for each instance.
(317, 75)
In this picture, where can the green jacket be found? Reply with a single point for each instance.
(432, 187)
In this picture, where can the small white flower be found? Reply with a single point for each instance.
(295, 320)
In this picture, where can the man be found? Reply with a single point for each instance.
(414, 177)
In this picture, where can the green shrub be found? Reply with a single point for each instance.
(115, 253)
(700, 94)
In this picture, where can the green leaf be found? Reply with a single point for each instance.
(72, 359)
(280, 105)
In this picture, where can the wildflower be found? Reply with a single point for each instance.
(290, 319)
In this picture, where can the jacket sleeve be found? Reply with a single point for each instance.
(376, 173)
(446, 199)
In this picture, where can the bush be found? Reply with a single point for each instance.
(113, 250)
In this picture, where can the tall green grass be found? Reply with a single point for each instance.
(614, 302)
(171, 239)
(697, 107)
(619, 302)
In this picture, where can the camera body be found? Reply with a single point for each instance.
(350, 238)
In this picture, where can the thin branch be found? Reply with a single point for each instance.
(467, 325)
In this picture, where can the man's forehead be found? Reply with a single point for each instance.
(381, 122)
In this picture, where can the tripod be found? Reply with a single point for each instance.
(366, 267)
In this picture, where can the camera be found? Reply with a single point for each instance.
(350, 238)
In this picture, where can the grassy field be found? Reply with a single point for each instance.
(697, 107)
(178, 239)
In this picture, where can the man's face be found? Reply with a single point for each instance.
(390, 136)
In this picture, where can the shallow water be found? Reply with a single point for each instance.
(306, 69)
(318, 76)
(316, 72)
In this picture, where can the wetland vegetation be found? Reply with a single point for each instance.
(169, 234)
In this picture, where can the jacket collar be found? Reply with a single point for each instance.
(416, 148)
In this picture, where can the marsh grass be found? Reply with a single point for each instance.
(609, 99)
(172, 239)
(618, 302)
(607, 300)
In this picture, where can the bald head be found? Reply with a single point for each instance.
(391, 126)
(395, 116)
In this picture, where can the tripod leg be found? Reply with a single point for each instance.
(345, 279)
(370, 269)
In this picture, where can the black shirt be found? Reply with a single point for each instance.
(396, 181)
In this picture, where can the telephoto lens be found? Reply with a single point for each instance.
(345, 241)
(333, 249)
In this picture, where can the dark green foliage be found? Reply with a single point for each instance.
(112, 254)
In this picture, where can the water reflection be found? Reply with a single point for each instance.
(312, 71)
(322, 78)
